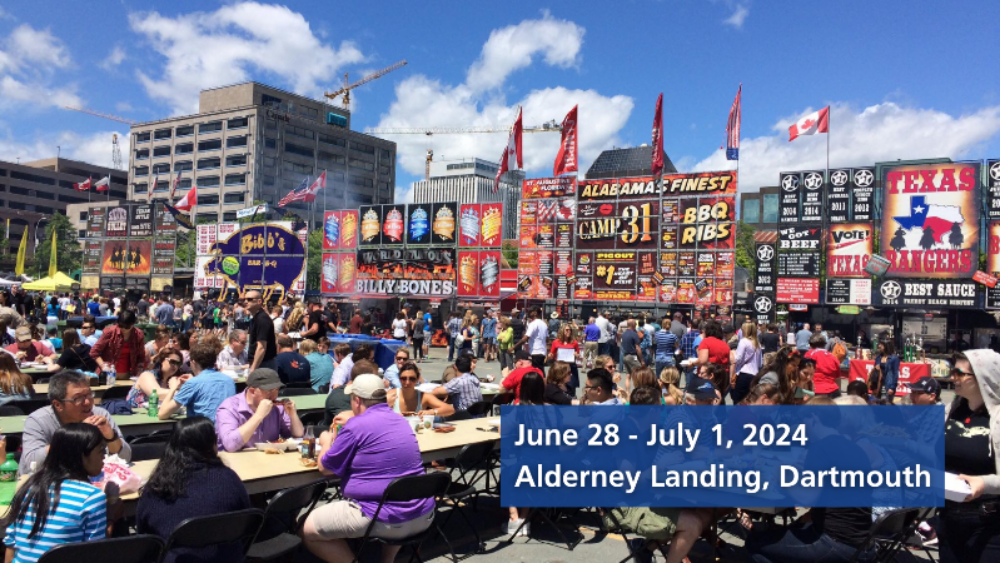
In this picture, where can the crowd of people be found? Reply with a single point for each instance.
(635, 360)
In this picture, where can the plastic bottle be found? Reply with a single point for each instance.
(109, 368)
(8, 470)
(154, 405)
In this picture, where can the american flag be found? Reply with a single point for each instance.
(547, 210)
(298, 194)
(733, 128)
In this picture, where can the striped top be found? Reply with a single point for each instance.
(80, 516)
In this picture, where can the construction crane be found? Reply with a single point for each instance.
(116, 153)
(125, 120)
(547, 127)
(346, 90)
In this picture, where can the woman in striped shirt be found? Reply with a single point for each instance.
(57, 504)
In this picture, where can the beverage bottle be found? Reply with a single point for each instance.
(154, 405)
(8, 470)
(308, 447)
(110, 370)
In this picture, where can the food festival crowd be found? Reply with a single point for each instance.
(200, 349)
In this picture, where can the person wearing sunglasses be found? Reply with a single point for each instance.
(72, 400)
(407, 400)
(970, 530)
(166, 366)
(392, 372)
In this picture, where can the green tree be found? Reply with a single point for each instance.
(315, 262)
(69, 255)
(509, 249)
(745, 250)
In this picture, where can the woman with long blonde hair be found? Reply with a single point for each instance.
(669, 378)
(746, 363)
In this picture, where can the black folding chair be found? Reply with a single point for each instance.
(480, 409)
(29, 406)
(472, 464)
(132, 549)
(9, 410)
(216, 530)
(890, 530)
(297, 391)
(150, 446)
(298, 385)
(404, 489)
(116, 392)
(313, 418)
(289, 509)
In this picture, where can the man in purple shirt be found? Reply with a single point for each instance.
(373, 447)
(591, 334)
(256, 415)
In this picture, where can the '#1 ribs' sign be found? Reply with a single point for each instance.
(930, 220)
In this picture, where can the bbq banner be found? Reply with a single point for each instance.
(547, 188)
(423, 272)
(863, 194)
(705, 223)
(478, 274)
(611, 189)
(788, 202)
(993, 190)
(766, 279)
(92, 252)
(930, 220)
(700, 184)
(812, 197)
(418, 228)
(799, 238)
(166, 224)
(133, 257)
(141, 221)
(848, 249)
(116, 225)
(615, 276)
(803, 291)
(955, 294)
(164, 250)
(838, 197)
(799, 264)
(95, 221)
(848, 292)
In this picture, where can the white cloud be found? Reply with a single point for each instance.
(424, 102)
(94, 148)
(115, 58)
(14, 92)
(208, 49)
(28, 59)
(739, 16)
(37, 47)
(123, 106)
(877, 133)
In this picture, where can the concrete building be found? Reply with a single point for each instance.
(470, 180)
(32, 192)
(253, 142)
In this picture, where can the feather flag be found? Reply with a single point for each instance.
(513, 150)
(733, 128)
(566, 158)
(657, 161)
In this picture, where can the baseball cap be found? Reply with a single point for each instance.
(22, 334)
(521, 355)
(264, 378)
(366, 386)
(701, 388)
(926, 385)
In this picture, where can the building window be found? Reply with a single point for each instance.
(361, 165)
(330, 140)
(269, 101)
(141, 171)
(44, 209)
(240, 141)
(208, 163)
(236, 179)
(161, 186)
(299, 132)
(142, 137)
(212, 145)
(234, 198)
(142, 154)
(182, 166)
(140, 188)
(82, 233)
(361, 181)
(335, 176)
(161, 151)
(162, 168)
(386, 154)
(208, 182)
(210, 127)
(270, 143)
(268, 180)
(330, 157)
(185, 131)
(19, 191)
(186, 148)
(229, 216)
(384, 170)
(270, 124)
(184, 184)
(32, 178)
(299, 150)
(304, 169)
(362, 148)
(770, 214)
(238, 123)
(71, 199)
(118, 195)
(208, 200)
(17, 205)
(161, 134)
(207, 217)
(311, 113)
(751, 211)
(236, 160)
(84, 215)
(336, 119)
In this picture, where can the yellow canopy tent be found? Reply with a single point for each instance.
(58, 282)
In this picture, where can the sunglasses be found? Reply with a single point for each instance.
(407, 378)
(955, 372)
(401, 358)
(174, 362)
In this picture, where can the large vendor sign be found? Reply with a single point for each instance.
(410, 272)
(269, 257)
(930, 220)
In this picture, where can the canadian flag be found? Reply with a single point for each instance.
(513, 149)
(104, 184)
(83, 186)
(188, 201)
(815, 122)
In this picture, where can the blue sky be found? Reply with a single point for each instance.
(904, 82)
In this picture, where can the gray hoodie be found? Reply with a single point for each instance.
(986, 365)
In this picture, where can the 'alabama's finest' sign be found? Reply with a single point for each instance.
(930, 220)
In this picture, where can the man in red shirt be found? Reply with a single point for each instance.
(356, 322)
(27, 349)
(827, 367)
(522, 365)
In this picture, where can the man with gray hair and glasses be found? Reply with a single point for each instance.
(234, 356)
(72, 401)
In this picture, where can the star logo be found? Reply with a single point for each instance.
(891, 290)
(765, 253)
(863, 178)
(839, 178)
(790, 183)
(995, 171)
(813, 181)
(762, 304)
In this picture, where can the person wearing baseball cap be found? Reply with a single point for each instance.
(925, 391)
(373, 447)
(27, 349)
(701, 391)
(256, 415)
(522, 366)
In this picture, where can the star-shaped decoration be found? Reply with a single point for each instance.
(918, 209)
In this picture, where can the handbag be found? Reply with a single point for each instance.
(459, 340)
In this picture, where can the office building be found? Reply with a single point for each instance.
(32, 192)
(253, 142)
(760, 209)
(626, 163)
(470, 180)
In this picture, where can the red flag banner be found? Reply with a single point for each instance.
(657, 163)
(512, 150)
(566, 158)
(815, 122)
